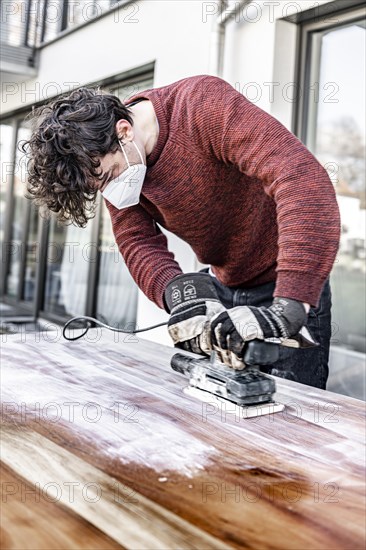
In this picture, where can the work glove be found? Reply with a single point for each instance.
(230, 329)
(191, 300)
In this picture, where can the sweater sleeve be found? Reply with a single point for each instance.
(238, 132)
(144, 249)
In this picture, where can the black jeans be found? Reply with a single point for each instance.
(307, 366)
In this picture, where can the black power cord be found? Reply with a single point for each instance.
(91, 320)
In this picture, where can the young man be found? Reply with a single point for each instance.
(199, 159)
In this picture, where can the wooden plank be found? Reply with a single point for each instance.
(29, 520)
(129, 518)
(280, 481)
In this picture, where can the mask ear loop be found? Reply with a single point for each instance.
(138, 150)
(123, 151)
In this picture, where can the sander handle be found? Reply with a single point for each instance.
(258, 352)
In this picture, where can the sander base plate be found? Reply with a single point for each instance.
(229, 407)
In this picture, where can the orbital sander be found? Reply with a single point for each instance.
(249, 390)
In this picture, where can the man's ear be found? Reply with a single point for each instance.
(124, 130)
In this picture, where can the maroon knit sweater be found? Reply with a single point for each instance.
(234, 183)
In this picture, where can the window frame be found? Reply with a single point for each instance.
(306, 112)
(308, 67)
(24, 307)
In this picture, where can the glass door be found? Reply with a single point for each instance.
(117, 291)
(19, 226)
(6, 168)
(69, 256)
(334, 130)
(32, 257)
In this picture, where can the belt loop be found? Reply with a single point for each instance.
(239, 297)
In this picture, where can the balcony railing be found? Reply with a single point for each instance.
(17, 38)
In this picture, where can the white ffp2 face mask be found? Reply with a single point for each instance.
(125, 190)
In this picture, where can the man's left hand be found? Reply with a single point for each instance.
(229, 330)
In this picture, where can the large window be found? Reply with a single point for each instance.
(333, 127)
(60, 271)
(31, 256)
(19, 226)
(6, 169)
(117, 291)
(69, 256)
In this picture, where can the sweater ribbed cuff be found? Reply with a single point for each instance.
(301, 286)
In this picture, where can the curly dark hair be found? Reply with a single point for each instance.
(68, 136)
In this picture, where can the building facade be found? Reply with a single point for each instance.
(303, 62)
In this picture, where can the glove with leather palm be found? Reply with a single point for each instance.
(192, 300)
(229, 330)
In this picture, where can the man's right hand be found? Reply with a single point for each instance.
(192, 300)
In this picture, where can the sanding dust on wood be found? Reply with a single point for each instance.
(126, 516)
(72, 391)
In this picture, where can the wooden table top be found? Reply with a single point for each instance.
(102, 449)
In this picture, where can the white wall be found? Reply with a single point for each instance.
(260, 53)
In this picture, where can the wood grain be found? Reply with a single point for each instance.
(97, 497)
(30, 520)
(202, 478)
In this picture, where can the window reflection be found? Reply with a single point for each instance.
(117, 291)
(53, 19)
(18, 230)
(12, 25)
(6, 166)
(82, 11)
(69, 255)
(32, 257)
